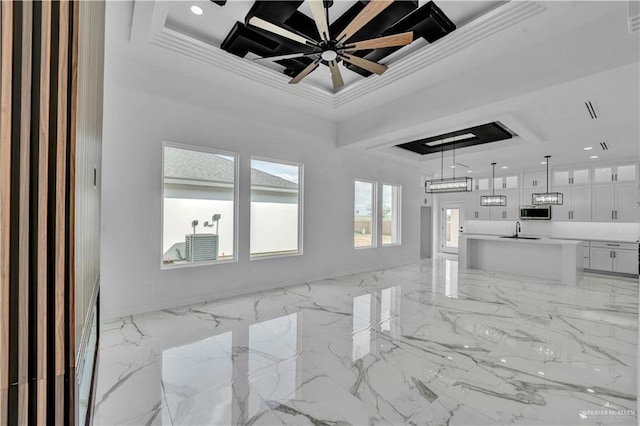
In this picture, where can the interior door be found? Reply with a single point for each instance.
(451, 227)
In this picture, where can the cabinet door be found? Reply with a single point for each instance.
(526, 196)
(625, 261)
(603, 203)
(562, 212)
(561, 178)
(600, 259)
(580, 177)
(534, 180)
(626, 173)
(580, 200)
(626, 202)
(602, 174)
(512, 208)
(511, 182)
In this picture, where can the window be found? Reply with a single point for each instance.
(391, 201)
(364, 223)
(276, 213)
(199, 205)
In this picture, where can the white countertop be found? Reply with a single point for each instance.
(613, 240)
(541, 240)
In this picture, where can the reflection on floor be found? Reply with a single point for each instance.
(419, 344)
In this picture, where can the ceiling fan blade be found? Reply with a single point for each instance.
(305, 72)
(268, 26)
(365, 64)
(319, 15)
(335, 75)
(370, 11)
(377, 43)
(281, 57)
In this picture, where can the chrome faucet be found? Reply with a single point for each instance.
(518, 228)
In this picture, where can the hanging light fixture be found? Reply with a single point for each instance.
(548, 198)
(437, 186)
(493, 200)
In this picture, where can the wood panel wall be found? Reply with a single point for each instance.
(39, 42)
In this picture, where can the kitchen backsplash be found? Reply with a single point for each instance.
(586, 230)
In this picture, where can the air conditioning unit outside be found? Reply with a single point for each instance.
(201, 247)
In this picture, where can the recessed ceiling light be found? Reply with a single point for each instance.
(197, 10)
(590, 391)
(541, 373)
(503, 360)
(469, 171)
(588, 148)
(453, 167)
(505, 167)
(543, 162)
(593, 156)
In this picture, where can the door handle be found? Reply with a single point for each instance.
(613, 245)
(614, 254)
(610, 254)
(616, 214)
(611, 214)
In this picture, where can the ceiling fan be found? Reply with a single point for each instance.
(332, 49)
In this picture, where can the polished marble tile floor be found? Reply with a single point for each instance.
(420, 344)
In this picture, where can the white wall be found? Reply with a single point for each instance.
(136, 122)
(274, 227)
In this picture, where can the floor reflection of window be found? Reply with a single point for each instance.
(201, 368)
(451, 279)
(273, 365)
(389, 309)
(361, 326)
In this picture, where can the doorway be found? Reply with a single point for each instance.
(451, 227)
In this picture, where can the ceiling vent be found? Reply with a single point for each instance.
(634, 15)
(591, 108)
(604, 146)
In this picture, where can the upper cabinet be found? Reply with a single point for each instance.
(506, 182)
(534, 179)
(622, 173)
(571, 177)
(481, 184)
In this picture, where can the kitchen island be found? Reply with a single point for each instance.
(554, 259)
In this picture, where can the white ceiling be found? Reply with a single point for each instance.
(530, 65)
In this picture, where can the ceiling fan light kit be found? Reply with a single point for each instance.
(331, 50)
(547, 198)
(493, 200)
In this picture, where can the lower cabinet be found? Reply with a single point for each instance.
(614, 257)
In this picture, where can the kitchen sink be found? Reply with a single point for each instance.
(517, 237)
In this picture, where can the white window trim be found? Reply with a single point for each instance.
(374, 212)
(399, 206)
(236, 157)
(300, 206)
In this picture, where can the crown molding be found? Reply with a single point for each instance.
(152, 29)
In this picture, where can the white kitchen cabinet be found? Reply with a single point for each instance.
(509, 212)
(571, 177)
(534, 179)
(576, 205)
(615, 202)
(472, 208)
(481, 184)
(600, 259)
(620, 173)
(625, 261)
(506, 182)
(614, 257)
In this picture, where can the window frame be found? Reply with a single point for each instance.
(374, 213)
(399, 214)
(300, 207)
(236, 170)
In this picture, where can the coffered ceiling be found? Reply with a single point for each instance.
(529, 65)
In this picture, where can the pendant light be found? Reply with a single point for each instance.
(493, 200)
(548, 198)
(438, 186)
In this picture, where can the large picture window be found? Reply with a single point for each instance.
(364, 218)
(199, 205)
(276, 208)
(391, 202)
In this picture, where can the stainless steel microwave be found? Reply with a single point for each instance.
(535, 212)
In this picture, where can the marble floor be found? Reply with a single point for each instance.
(420, 344)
